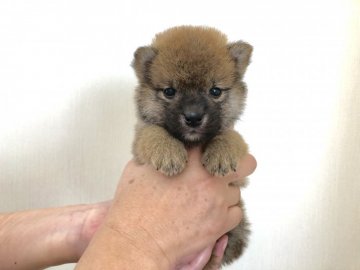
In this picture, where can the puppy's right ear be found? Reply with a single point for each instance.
(143, 57)
(241, 52)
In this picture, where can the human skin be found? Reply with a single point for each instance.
(41, 238)
(161, 223)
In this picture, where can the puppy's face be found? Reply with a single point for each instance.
(191, 82)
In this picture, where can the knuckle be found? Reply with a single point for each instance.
(239, 215)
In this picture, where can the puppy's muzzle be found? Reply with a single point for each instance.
(193, 118)
(193, 112)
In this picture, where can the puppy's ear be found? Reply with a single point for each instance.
(241, 52)
(143, 57)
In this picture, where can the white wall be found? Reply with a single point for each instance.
(66, 113)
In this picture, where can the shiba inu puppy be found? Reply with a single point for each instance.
(190, 93)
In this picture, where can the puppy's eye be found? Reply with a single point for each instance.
(169, 92)
(215, 92)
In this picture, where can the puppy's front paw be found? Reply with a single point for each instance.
(223, 153)
(171, 159)
(153, 145)
(219, 161)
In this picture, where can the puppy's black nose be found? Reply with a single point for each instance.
(193, 119)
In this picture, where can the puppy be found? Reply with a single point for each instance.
(190, 93)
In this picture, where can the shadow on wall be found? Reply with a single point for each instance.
(74, 157)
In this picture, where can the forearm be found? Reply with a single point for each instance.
(41, 238)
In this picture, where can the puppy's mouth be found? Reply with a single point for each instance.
(193, 135)
(194, 132)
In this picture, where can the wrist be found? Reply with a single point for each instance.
(123, 249)
(46, 237)
(26, 240)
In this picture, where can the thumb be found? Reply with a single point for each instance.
(199, 261)
(218, 254)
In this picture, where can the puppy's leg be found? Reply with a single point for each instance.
(155, 146)
(223, 152)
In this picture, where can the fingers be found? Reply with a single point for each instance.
(200, 261)
(194, 160)
(233, 195)
(219, 250)
(218, 254)
(210, 258)
(246, 166)
(234, 217)
(194, 154)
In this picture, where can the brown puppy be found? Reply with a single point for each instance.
(190, 93)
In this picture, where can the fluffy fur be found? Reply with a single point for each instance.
(191, 93)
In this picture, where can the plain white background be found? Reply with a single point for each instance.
(67, 113)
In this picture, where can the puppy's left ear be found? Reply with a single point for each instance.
(143, 57)
(241, 52)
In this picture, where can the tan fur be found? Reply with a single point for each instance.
(154, 146)
(223, 152)
(192, 60)
(174, 62)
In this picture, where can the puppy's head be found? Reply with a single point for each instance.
(190, 82)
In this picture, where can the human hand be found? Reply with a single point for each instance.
(199, 261)
(62, 234)
(164, 221)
